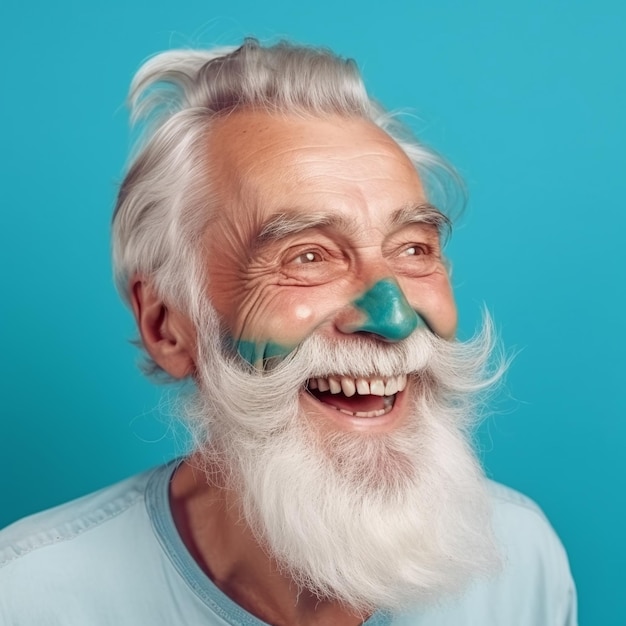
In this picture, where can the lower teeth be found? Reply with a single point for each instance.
(378, 413)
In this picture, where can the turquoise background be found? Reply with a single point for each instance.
(526, 98)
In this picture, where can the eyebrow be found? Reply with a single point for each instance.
(423, 213)
(284, 224)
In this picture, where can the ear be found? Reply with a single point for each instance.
(168, 336)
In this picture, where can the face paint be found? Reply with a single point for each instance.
(387, 312)
(270, 297)
(257, 353)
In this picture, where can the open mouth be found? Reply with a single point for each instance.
(358, 397)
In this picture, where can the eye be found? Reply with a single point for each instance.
(415, 250)
(312, 263)
(310, 256)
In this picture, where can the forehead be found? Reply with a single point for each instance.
(265, 163)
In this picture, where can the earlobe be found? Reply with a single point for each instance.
(167, 335)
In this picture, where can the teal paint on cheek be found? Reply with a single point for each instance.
(388, 314)
(257, 352)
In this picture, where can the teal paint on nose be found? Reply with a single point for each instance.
(388, 314)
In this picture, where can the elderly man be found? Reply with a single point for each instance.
(278, 237)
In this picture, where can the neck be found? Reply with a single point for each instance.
(207, 518)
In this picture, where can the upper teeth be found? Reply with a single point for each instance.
(362, 386)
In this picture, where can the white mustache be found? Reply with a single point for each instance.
(451, 373)
(364, 357)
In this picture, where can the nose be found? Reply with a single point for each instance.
(384, 311)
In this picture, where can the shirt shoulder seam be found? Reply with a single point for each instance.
(65, 531)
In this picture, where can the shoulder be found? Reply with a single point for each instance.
(68, 521)
(79, 549)
(522, 527)
(533, 585)
(535, 575)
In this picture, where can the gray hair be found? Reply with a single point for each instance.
(165, 200)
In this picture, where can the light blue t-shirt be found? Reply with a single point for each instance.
(115, 558)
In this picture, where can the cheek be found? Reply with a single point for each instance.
(433, 299)
(445, 318)
(441, 314)
(283, 316)
(288, 320)
(274, 328)
(303, 313)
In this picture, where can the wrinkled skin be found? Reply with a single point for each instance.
(273, 291)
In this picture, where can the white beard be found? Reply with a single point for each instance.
(372, 521)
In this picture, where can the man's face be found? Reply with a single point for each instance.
(323, 228)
